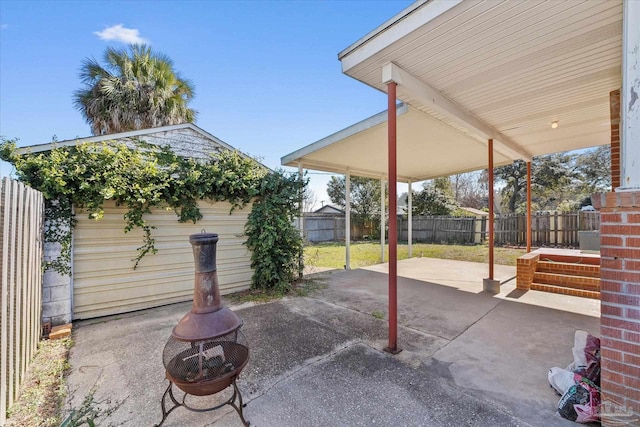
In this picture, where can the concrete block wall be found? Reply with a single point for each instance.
(620, 300)
(56, 291)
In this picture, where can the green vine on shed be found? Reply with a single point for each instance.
(274, 242)
(141, 176)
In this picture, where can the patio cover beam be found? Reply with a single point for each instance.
(433, 99)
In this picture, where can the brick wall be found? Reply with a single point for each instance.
(614, 107)
(525, 268)
(620, 299)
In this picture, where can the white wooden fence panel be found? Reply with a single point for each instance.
(21, 225)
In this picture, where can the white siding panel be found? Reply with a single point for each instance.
(105, 283)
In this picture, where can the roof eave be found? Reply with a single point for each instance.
(292, 159)
(391, 31)
(38, 148)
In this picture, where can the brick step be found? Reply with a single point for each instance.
(581, 259)
(568, 268)
(567, 280)
(565, 291)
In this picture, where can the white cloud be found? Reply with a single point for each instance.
(121, 34)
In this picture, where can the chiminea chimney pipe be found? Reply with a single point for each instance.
(208, 318)
(206, 293)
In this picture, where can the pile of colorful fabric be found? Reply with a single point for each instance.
(579, 383)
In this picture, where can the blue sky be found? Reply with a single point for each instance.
(266, 73)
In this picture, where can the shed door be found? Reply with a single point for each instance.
(104, 281)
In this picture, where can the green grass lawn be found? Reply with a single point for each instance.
(362, 254)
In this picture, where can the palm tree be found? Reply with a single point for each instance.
(138, 89)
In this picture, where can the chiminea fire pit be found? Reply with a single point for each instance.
(206, 350)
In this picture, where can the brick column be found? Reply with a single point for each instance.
(620, 304)
(525, 269)
(620, 242)
(614, 110)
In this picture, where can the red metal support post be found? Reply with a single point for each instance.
(490, 225)
(528, 207)
(393, 221)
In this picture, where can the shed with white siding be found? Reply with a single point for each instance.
(103, 280)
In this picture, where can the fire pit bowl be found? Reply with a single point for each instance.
(205, 367)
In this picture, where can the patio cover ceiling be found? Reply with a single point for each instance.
(473, 70)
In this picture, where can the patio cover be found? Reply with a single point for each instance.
(500, 73)
(427, 148)
(470, 70)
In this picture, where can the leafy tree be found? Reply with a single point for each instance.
(555, 182)
(365, 196)
(594, 166)
(514, 178)
(561, 181)
(434, 199)
(365, 200)
(136, 89)
(443, 185)
(465, 189)
(549, 175)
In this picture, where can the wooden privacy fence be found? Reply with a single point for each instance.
(548, 228)
(330, 228)
(327, 228)
(442, 229)
(21, 227)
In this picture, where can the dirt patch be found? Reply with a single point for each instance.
(42, 391)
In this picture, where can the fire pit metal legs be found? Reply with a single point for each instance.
(176, 404)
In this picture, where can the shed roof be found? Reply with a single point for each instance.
(329, 209)
(475, 211)
(36, 148)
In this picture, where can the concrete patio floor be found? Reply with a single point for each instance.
(468, 358)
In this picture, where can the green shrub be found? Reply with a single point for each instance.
(274, 241)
